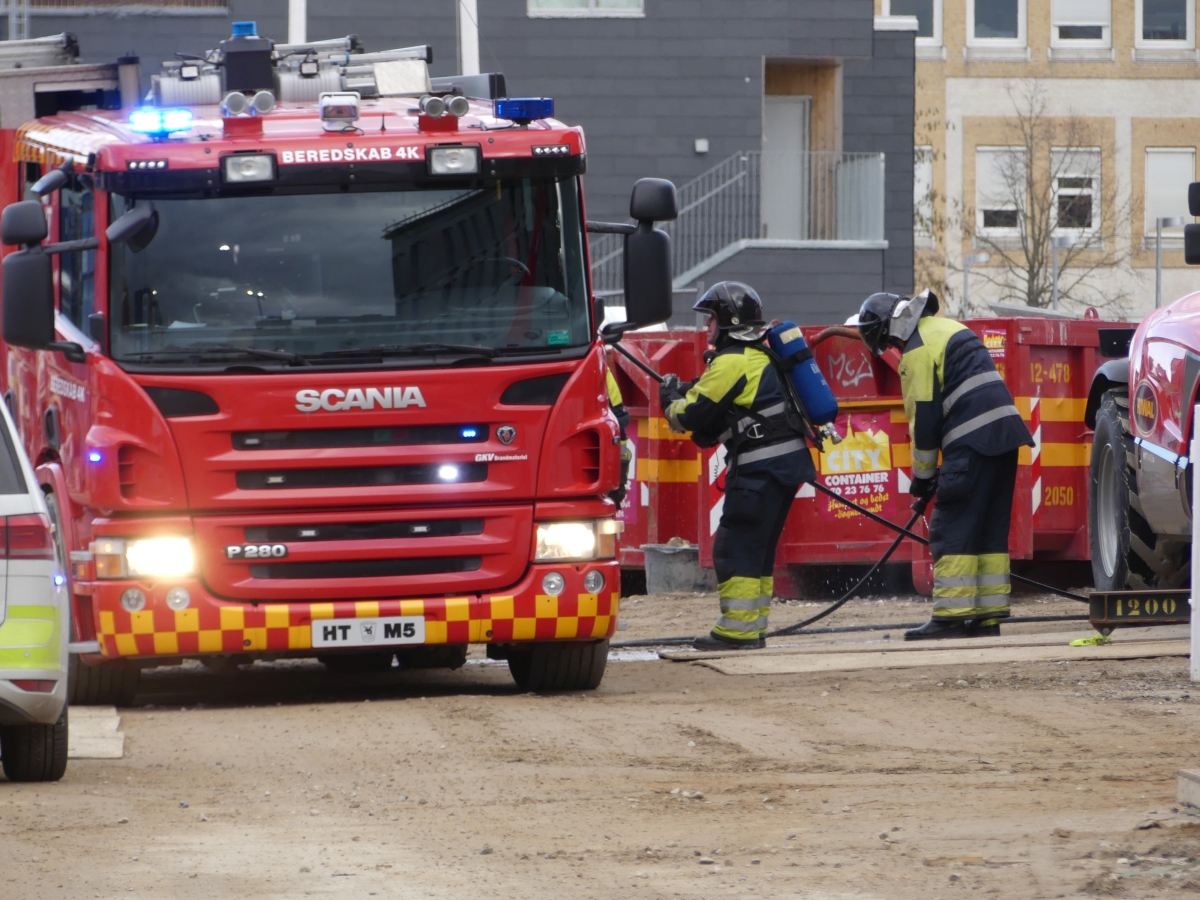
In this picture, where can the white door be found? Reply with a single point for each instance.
(785, 167)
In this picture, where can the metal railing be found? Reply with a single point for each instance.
(816, 196)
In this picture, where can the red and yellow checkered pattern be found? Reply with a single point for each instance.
(216, 627)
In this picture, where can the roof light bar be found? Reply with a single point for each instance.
(523, 110)
(160, 122)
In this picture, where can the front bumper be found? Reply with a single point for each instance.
(213, 626)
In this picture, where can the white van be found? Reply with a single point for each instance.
(34, 624)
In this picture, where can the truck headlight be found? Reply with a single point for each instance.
(453, 160)
(592, 539)
(243, 168)
(160, 557)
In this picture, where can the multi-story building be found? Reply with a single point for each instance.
(786, 123)
(1075, 119)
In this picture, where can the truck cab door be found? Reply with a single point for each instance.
(65, 387)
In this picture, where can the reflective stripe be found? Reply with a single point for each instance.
(771, 452)
(924, 463)
(970, 612)
(746, 422)
(734, 625)
(956, 581)
(975, 381)
(1001, 578)
(762, 623)
(978, 422)
(734, 604)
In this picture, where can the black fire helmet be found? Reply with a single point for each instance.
(733, 304)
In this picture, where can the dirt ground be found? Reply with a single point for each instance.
(671, 781)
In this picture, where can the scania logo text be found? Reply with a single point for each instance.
(338, 400)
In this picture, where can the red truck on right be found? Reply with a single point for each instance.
(1140, 406)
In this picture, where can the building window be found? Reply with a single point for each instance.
(1076, 174)
(1081, 23)
(923, 228)
(929, 19)
(999, 189)
(599, 8)
(1169, 171)
(1166, 23)
(996, 22)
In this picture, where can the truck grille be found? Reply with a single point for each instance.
(324, 438)
(368, 568)
(364, 531)
(368, 476)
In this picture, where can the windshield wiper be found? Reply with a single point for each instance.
(200, 352)
(427, 349)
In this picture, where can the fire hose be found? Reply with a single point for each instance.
(901, 533)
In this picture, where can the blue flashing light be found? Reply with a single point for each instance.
(59, 579)
(469, 433)
(245, 29)
(94, 456)
(160, 121)
(523, 109)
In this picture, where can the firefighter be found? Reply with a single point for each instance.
(617, 403)
(956, 403)
(740, 402)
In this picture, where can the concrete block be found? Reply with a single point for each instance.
(1187, 787)
(92, 733)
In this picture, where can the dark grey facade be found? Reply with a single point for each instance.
(644, 89)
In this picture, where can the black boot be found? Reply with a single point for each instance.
(714, 641)
(963, 628)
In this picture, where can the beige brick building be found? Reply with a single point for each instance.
(1113, 89)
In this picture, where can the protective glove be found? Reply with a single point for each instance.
(670, 390)
(923, 488)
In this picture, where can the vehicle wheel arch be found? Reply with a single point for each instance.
(1113, 375)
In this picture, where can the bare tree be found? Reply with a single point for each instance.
(1045, 182)
(933, 212)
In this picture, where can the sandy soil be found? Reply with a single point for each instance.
(283, 781)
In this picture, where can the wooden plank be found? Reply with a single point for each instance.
(756, 664)
(1125, 635)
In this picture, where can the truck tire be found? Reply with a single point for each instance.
(559, 666)
(35, 752)
(1126, 553)
(109, 684)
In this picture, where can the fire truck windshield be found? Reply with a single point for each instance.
(319, 278)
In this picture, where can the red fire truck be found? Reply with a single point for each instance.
(312, 366)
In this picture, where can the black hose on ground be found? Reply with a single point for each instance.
(843, 629)
(907, 532)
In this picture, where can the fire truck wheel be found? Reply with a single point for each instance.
(35, 752)
(356, 663)
(109, 684)
(1126, 553)
(559, 666)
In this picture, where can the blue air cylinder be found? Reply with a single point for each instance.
(788, 344)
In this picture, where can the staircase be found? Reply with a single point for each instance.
(721, 213)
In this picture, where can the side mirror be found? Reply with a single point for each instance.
(648, 288)
(1191, 244)
(136, 228)
(28, 309)
(1194, 198)
(50, 182)
(23, 223)
(653, 200)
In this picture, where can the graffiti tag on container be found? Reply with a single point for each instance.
(848, 370)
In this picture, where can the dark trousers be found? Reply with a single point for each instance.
(755, 511)
(968, 535)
